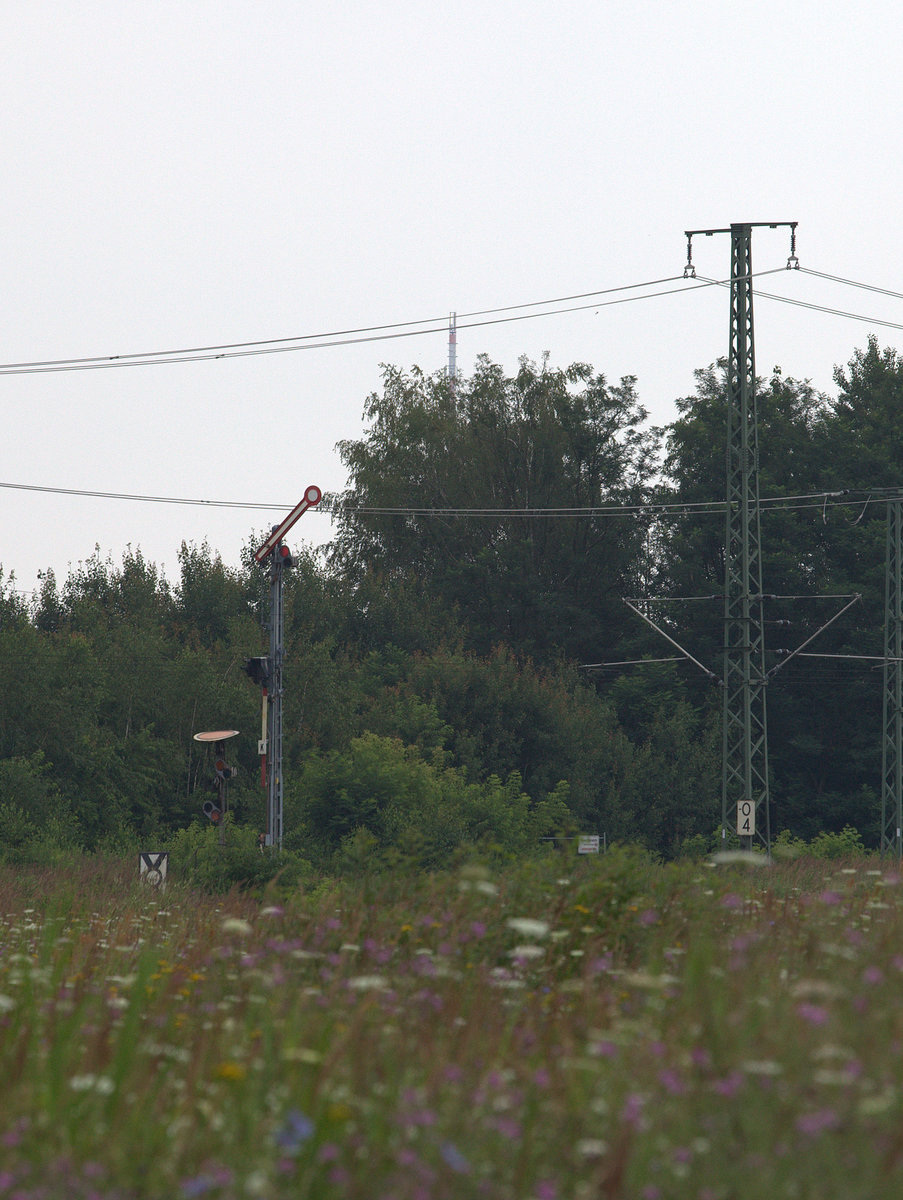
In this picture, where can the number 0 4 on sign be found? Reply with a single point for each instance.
(746, 818)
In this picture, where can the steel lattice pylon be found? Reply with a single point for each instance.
(745, 739)
(892, 747)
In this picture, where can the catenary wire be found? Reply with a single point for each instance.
(813, 500)
(868, 287)
(289, 345)
(97, 358)
(813, 307)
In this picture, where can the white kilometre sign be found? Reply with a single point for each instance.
(746, 818)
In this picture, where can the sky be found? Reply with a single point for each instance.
(187, 175)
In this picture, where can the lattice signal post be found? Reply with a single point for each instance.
(269, 673)
(892, 744)
(744, 785)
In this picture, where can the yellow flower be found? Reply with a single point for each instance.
(232, 1071)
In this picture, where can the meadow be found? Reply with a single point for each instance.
(565, 1028)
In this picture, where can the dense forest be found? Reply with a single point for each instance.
(461, 672)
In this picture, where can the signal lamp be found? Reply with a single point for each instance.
(258, 669)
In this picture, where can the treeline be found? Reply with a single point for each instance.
(443, 676)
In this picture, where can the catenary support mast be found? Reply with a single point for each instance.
(892, 744)
(744, 780)
(745, 746)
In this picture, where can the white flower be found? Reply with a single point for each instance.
(592, 1147)
(236, 925)
(527, 952)
(88, 1083)
(368, 983)
(750, 858)
(528, 927)
(763, 1066)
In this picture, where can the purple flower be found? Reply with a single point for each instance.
(814, 1123)
(633, 1109)
(197, 1186)
(700, 1057)
(729, 1085)
(603, 1049)
(508, 1128)
(815, 1014)
(672, 1082)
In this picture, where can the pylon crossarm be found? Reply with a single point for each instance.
(809, 640)
(668, 638)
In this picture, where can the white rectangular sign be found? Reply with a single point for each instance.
(588, 844)
(746, 818)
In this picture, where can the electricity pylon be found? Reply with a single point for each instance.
(744, 775)
(892, 745)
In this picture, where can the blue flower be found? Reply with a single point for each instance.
(453, 1158)
(296, 1130)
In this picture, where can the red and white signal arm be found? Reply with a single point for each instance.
(312, 496)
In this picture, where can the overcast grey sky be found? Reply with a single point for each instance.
(183, 174)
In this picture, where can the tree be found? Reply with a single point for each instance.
(447, 460)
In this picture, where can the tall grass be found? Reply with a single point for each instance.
(599, 1028)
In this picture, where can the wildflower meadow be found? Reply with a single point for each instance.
(597, 1027)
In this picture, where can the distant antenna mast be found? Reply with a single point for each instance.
(452, 350)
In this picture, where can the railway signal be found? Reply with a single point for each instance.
(267, 672)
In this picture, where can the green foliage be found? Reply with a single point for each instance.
(433, 697)
(198, 858)
(538, 440)
(381, 794)
(847, 843)
(37, 825)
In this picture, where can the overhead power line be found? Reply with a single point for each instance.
(814, 500)
(868, 287)
(351, 337)
(822, 308)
